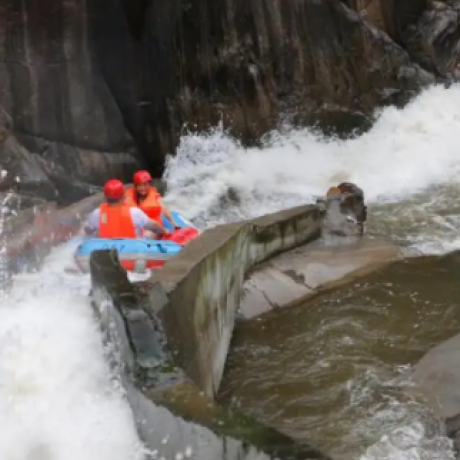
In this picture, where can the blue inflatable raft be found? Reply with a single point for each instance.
(136, 255)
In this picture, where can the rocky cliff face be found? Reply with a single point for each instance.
(96, 88)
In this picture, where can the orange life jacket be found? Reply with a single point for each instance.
(151, 204)
(116, 222)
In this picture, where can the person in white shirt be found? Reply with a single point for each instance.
(115, 210)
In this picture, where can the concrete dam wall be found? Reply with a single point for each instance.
(197, 293)
(203, 429)
(305, 272)
(166, 404)
(173, 331)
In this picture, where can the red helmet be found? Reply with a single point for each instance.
(142, 177)
(114, 189)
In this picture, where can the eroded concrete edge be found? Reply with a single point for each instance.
(204, 283)
(299, 275)
(165, 403)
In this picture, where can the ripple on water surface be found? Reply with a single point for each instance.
(336, 372)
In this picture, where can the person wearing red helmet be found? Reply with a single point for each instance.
(117, 219)
(147, 198)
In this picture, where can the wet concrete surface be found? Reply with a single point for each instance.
(302, 273)
(336, 370)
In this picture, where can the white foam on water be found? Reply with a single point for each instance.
(58, 400)
(406, 152)
(408, 165)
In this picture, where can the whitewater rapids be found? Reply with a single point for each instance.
(58, 399)
(410, 159)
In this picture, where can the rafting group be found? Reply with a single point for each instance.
(137, 211)
(136, 223)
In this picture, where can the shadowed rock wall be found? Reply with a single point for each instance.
(92, 89)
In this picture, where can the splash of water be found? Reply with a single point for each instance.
(58, 399)
(408, 152)
(408, 165)
(5, 276)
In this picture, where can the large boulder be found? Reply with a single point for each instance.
(96, 87)
(21, 170)
(428, 29)
(437, 376)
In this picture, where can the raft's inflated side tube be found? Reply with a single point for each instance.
(136, 255)
(181, 221)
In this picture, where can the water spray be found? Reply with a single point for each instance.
(5, 275)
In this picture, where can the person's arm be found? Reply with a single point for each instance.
(155, 227)
(92, 224)
(166, 212)
(143, 222)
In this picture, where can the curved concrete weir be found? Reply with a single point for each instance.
(171, 414)
(197, 292)
(305, 272)
(185, 314)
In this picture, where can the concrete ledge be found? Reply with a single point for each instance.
(177, 326)
(197, 293)
(438, 377)
(303, 273)
(166, 404)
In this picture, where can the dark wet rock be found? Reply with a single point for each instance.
(453, 431)
(335, 222)
(53, 97)
(398, 16)
(96, 86)
(344, 210)
(437, 374)
(24, 172)
(330, 120)
(29, 174)
(279, 59)
(427, 29)
(15, 202)
(392, 16)
(434, 40)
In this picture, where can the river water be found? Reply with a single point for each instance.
(59, 401)
(336, 372)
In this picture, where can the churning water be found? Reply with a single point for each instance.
(408, 164)
(58, 400)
